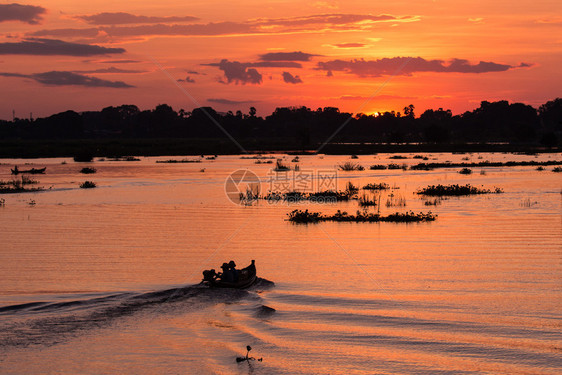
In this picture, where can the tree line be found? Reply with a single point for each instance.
(492, 122)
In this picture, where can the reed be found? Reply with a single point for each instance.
(395, 201)
(455, 190)
(465, 171)
(557, 169)
(368, 201)
(350, 166)
(376, 167)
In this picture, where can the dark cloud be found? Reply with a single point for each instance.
(187, 79)
(349, 45)
(194, 72)
(109, 70)
(263, 26)
(289, 78)
(121, 18)
(408, 65)
(237, 72)
(61, 78)
(286, 56)
(25, 13)
(119, 61)
(228, 101)
(45, 47)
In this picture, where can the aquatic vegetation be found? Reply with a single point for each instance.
(395, 201)
(172, 161)
(124, 158)
(251, 195)
(354, 157)
(350, 166)
(2, 202)
(328, 196)
(398, 157)
(465, 171)
(351, 189)
(280, 166)
(88, 185)
(299, 216)
(448, 164)
(377, 167)
(259, 161)
(372, 186)
(366, 201)
(259, 157)
(18, 185)
(557, 169)
(432, 202)
(420, 157)
(88, 170)
(540, 168)
(394, 166)
(455, 190)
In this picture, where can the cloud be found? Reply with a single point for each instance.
(49, 47)
(110, 70)
(409, 65)
(262, 26)
(119, 61)
(286, 56)
(229, 102)
(193, 72)
(24, 13)
(289, 78)
(237, 72)
(61, 78)
(274, 64)
(349, 45)
(187, 79)
(120, 18)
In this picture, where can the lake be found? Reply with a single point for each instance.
(104, 280)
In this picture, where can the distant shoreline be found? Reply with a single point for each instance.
(222, 146)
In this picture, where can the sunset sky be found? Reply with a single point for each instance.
(360, 56)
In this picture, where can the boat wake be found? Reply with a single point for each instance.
(48, 323)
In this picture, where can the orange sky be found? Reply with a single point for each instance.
(360, 56)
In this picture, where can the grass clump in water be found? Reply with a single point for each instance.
(557, 169)
(88, 170)
(455, 190)
(18, 185)
(465, 171)
(377, 167)
(381, 186)
(350, 166)
(88, 185)
(299, 216)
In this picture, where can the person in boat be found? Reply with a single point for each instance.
(226, 275)
(233, 270)
(16, 171)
